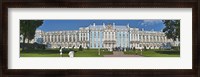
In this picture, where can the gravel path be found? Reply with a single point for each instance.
(121, 54)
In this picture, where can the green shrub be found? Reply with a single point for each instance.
(175, 47)
(88, 47)
(80, 48)
(73, 47)
(133, 48)
(168, 52)
(145, 48)
(29, 46)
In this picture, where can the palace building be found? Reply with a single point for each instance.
(104, 36)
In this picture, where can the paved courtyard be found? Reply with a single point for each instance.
(120, 54)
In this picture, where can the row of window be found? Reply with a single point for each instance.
(152, 37)
(109, 37)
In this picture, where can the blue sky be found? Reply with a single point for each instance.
(56, 25)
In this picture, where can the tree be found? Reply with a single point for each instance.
(88, 47)
(145, 48)
(73, 46)
(27, 29)
(80, 48)
(30, 34)
(172, 29)
(133, 48)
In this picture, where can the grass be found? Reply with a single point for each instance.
(42, 53)
(91, 53)
(56, 53)
(94, 53)
(155, 53)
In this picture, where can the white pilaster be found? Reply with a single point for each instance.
(50, 36)
(44, 39)
(64, 38)
(60, 38)
(57, 38)
(138, 37)
(68, 38)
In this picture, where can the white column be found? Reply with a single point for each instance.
(47, 38)
(75, 38)
(68, 37)
(156, 39)
(64, 38)
(60, 38)
(57, 38)
(104, 35)
(130, 36)
(85, 36)
(149, 37)
(153, 39)
(138, 37)
(108, 36)
(44, 39)
(53, 38)
(80, 36)
(111, 38)
(125, 39)
(50, 36)
(113, 35)
(72, 40)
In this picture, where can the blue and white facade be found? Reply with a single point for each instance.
(105, 36)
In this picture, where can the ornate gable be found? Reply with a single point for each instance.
(109, 26)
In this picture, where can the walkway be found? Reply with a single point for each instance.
(120, 54)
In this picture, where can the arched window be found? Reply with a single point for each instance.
(70, 39)
(74, 39)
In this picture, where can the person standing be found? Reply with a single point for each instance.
(61, 52)
(71, 53)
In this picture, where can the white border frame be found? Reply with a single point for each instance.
(182, 62)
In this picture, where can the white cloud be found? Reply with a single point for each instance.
(142, 24)
(150, 22)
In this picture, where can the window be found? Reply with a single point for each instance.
(143, 36)
(147, 37)
(70, 39)
(66, 39)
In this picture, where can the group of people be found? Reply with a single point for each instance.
(71, 53)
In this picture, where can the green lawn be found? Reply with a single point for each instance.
(94, 53)
(56, 53)
(91, 53)
(154, 53)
